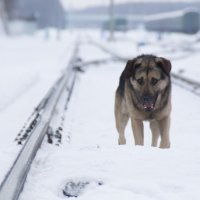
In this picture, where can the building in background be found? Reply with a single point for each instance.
(29, 15)
(34, 14)
(185, 21)
(3, 19)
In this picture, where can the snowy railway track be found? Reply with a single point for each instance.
(188, 84)
(35, 129)
(39, 123)
(185, 83)
(71, 173)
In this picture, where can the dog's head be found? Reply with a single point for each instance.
(148, 76)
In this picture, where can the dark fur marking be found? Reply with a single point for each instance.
(121, 87)
(165, 95)
(136, 95)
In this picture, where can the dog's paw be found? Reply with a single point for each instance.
(165, 145)
(121, 141)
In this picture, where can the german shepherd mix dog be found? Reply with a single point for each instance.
(144, 93)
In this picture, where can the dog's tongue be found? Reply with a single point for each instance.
(148, 105)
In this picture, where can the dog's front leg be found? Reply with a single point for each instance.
(164, 126)
(121, 122)
(138, 131)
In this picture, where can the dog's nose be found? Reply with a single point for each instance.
(148, 103)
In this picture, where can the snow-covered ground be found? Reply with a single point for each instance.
(90, 157)
(29, 66)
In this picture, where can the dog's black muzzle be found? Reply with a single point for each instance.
(148, 102)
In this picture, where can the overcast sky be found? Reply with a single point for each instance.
(78, 4)
(85, 3)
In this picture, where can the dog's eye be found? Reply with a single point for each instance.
(154, 81)
(140, 81)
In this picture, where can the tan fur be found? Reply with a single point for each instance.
(159, 117)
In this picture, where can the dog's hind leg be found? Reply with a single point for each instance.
(155, 132)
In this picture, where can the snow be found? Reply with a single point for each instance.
(29, 66)
(89, 156)
(90, 153)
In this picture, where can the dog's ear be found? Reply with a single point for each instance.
(126, 74)
(164, 64)
(129, 69)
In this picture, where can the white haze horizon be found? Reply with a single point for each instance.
(81, 4)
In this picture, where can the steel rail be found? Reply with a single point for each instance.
(13, 183)
(186, 83)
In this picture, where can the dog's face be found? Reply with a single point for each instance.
(148, 76)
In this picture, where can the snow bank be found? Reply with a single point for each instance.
(29, 66)
(90, 152)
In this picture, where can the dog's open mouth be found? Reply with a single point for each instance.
(148, 103)
(148, 106)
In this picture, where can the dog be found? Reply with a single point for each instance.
(144, 94)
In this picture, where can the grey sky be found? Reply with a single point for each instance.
(77, 4)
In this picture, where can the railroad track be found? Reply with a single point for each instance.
(40, 122)
(36, 127)
(183, 82)
(186, 83)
